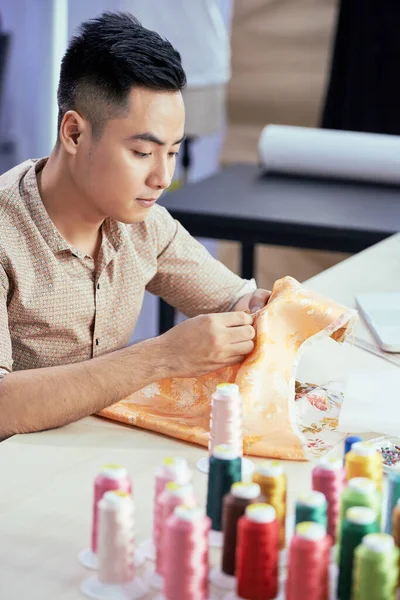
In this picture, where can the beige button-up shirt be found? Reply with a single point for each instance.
(58, 307)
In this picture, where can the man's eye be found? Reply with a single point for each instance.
(140, 154)
(173, 153)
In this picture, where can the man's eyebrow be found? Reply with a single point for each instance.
(149, 137)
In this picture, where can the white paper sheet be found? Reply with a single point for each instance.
(372, 403)
(330, 153)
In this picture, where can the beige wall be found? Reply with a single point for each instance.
(280, 62)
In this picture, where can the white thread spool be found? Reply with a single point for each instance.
(226, 425)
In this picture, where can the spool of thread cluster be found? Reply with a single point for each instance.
(111, 478)
(116, 572)
(173, 495)
(226, 425)
(358, 522)
(311, 506)
(393, 495)
(171, 469)
(225, 470)
(364, 460)
(376, 569)
(309, 561)
(234, 506)
(257, 554)
(185, 565)
(359, 492)
(328, 477)
(349, 441)
(269, 475)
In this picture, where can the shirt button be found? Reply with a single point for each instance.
(98, 286)
(97, 341)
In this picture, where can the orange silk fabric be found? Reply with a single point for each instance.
(181, 407)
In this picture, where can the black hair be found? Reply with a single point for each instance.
(107, 57)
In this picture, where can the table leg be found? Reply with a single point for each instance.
(166, 316)
(247, 261)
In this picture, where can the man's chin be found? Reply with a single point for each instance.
(137, 216)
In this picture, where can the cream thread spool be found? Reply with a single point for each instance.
(115, 579)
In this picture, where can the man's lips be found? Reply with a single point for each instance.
(147, 202)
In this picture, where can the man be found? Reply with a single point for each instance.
(81, 238)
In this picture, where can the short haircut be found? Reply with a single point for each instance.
(108, 56)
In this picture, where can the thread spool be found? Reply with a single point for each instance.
(312, 507)
(358, 522)
(171, 469)
(111, 477)
(360, 491)
(309, 563)
(257, 554)
(226, 425)
(173, 495)
(234, 506)
(115, 578)
(376, 569)
(364, 460)
(349, 441)
(328, 477)
(393, 495)
(269, 475)
(186, 546)
(225, 470)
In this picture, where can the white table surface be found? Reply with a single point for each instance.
(47, 478)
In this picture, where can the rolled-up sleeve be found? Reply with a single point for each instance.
(5, 338)
(188, 277)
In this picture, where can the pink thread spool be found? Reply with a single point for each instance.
(171, 469)
(185, 550)
(309, 561)
(111, 477)
(174, 495)
(226, 425)
(329, 477)
(115, 578)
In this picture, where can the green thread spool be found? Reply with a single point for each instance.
(376, 568)
(360, 491)
(311, 507)
(225, 469)
(358, 522)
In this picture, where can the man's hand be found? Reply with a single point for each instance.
(253, 302)
(207, 342)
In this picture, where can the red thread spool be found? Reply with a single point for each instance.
(329, 477)
(257, 553)
(185, 551)
(309, 560)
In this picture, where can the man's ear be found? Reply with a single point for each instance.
(73, 127)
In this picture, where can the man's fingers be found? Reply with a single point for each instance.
(258, 300)
(244, 333)
(236, 318)
(242, 348)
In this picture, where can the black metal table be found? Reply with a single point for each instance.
(245, 205)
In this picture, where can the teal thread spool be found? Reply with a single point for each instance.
(311, 507)
(359, 521)
(376, 568)
(393, 496)
(225, 469)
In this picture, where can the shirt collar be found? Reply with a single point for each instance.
(113, 231)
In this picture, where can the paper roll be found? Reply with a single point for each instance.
(330, 153)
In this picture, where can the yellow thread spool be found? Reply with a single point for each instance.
(273, 484)
(364, 460)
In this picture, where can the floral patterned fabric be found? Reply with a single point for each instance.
(282, 418)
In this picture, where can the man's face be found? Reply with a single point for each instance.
(122, 174)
